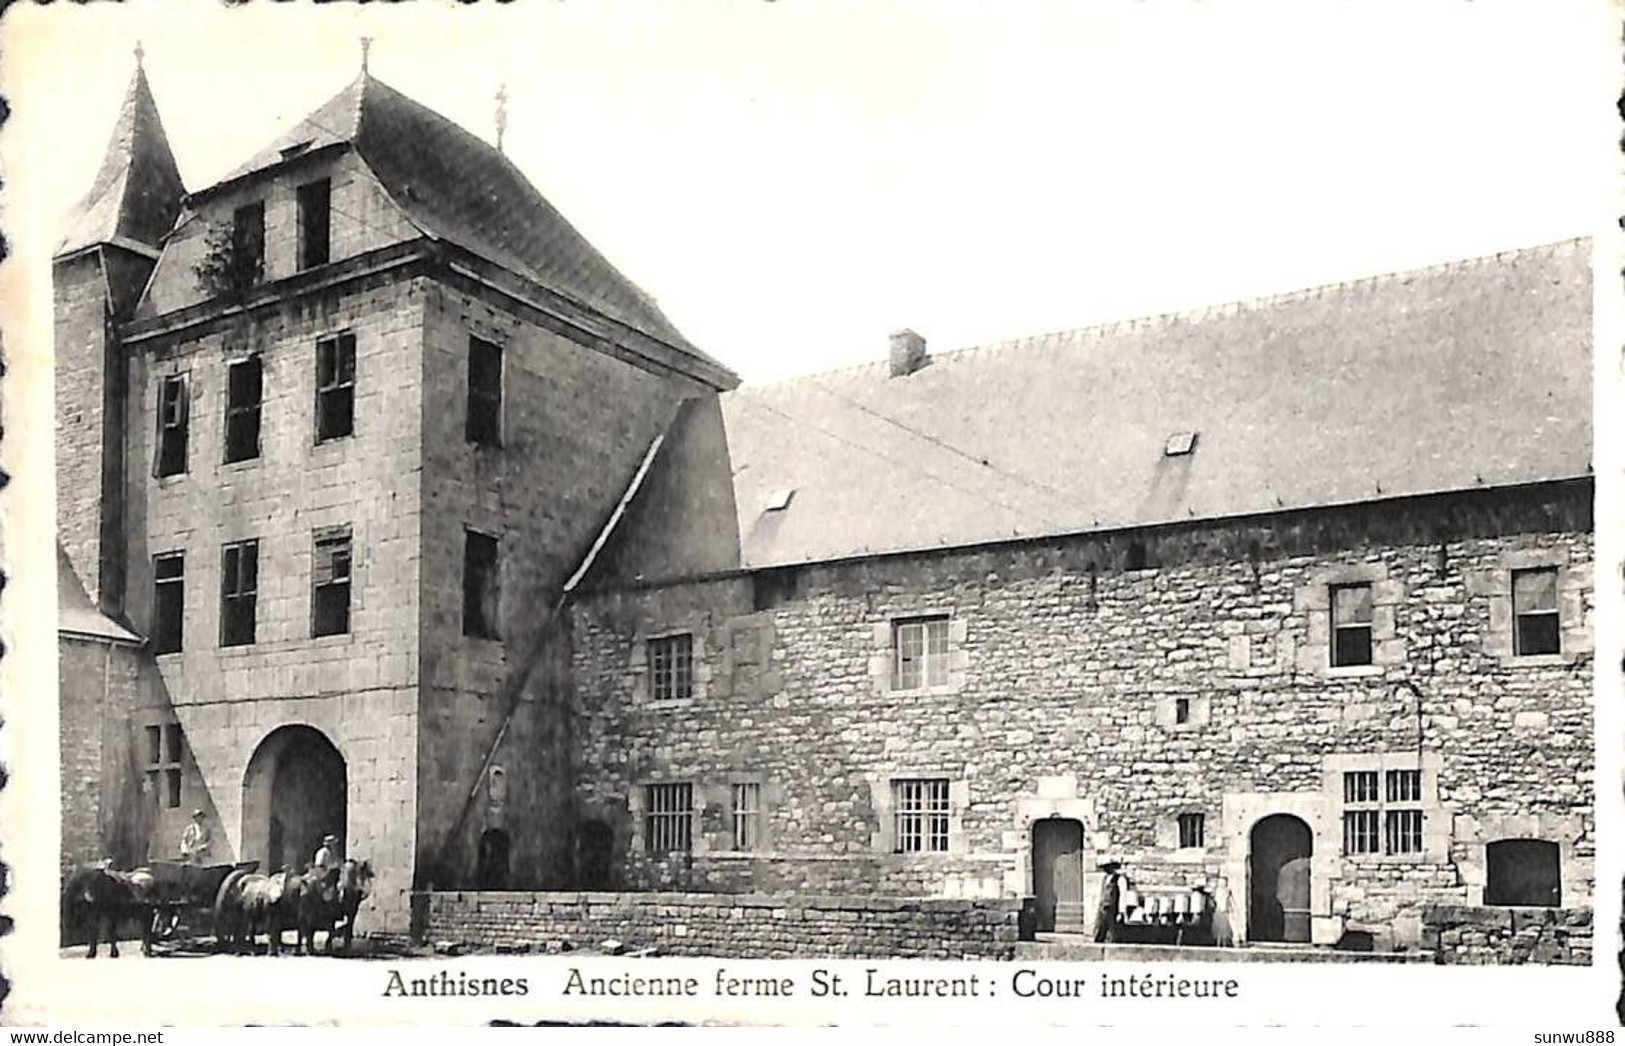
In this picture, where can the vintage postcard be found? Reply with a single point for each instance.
(812, 512)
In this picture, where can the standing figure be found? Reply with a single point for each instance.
(327, 856)
(1109, 916)
(195, 840)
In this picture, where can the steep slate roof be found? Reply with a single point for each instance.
(1468, 375)
(76, 615)
(138, 190)
(457, 187)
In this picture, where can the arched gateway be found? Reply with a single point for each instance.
(293, 794)
(1278, 868)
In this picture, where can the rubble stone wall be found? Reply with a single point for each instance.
(1471, 935)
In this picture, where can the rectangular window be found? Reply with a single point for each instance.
(168, 602)
(669, 818)
(315, 219)
(335, 387)
(1385, 821)
(671, 668)
(484, 427)
(919, 653)
(1534, 612)
(482, 595)
(1182, 710)
(244, 389)
(239, 577)
(1351, 625)
(921, 808)
(747, 815)
(330, 580)
(247, 263)
(1404, 831)
(165, 745)
(1192, 831)
(173, 426)
(1360, 831)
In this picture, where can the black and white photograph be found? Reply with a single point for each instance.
(812, 512)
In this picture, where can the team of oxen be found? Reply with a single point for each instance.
(242, 903)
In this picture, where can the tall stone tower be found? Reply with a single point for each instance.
(98, 273)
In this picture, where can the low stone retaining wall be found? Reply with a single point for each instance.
(1481, 935)
(754, 926)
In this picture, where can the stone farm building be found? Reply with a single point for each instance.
(390, 508)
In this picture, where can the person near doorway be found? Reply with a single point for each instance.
(1108, 919)
(195, 840)
(327, 856)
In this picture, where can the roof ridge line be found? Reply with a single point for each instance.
(1231, 307)
(1057, 337)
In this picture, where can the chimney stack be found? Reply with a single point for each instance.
(907, 353)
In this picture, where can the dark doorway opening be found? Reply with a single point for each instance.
(294, 793)
(1278, 867)
(1523, 872)
(595, 848)
(492, 873)
(1058, 874)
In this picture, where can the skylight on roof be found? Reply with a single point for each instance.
(290, 151)
(1178, 444)
(779, 500)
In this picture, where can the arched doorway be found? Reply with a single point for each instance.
(1278, 870)
(1058, 873)
(294, 792)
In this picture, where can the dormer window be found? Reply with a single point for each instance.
(290, 151)
(315, 223)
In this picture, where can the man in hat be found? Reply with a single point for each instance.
(326, 855)
(195, 840)
(1111, 898)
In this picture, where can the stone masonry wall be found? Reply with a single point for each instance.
(358, 688)
(799, 926)
(1069, 664)
(96, 692)
(576, 424)
(1476, 935)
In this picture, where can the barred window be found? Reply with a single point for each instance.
(1351, 625)
(919, 652)
(1192, 831)
(335, 387)
(668, 818)
(239, 580)
(921, 808)
(747, 808)
(1388, 821)
(330, 583)
(1536, 628)
(671, 667)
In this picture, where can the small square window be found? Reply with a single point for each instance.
(166, 747)
(1351, 625)
(1360, 831)
(1192, 831)
(669, 818)
(1536, 625)
(921, 807)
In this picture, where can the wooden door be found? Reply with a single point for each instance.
(1058, 873)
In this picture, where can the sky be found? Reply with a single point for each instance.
(792, 180)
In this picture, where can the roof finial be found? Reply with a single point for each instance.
(366, 45)
(502, 113)
(140, 53)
